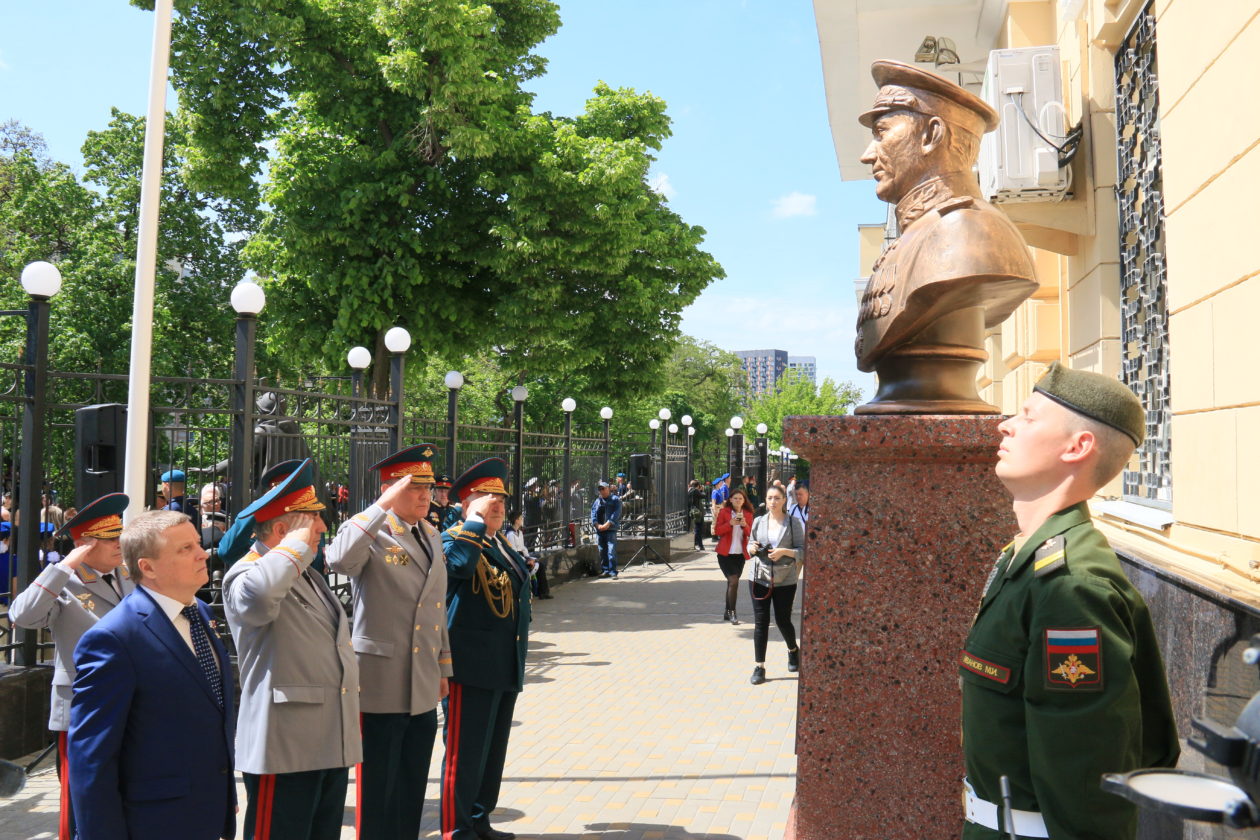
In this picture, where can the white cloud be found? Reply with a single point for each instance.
(660, 183)
(795, 204)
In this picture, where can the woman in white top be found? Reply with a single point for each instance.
(732, 526)
(777, 549)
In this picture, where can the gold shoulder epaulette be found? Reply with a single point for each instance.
(251, 557)
(1051, 557)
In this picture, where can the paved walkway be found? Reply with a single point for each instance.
(637, 721)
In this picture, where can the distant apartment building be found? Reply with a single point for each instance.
(807, 366)
(764, 367)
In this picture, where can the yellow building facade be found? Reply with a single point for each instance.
(1147, 268)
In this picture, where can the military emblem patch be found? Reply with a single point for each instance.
(85, 599)
(1073, 659)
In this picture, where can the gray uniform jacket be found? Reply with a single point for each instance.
(399, 591)
(299, 678)
(67, 603)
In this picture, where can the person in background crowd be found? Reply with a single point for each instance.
(488, 614)
(49, 512)
(213, 519)
(695, 507)
(732, 528)
(777, 549)
(514, 533)
(754, 498)
(67, 598)
(152, 718)
(439, 507)
(298, 728)
(605, 517)
(800, 510)
(791, 489)
(533, 513)
(622, 489)
(159, 501)
(6, 507)
(551, 514)
(398, 580)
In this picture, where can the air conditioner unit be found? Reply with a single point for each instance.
(1019, 161)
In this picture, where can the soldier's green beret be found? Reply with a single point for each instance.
(1097, 397)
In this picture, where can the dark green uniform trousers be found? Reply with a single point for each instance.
(478, 722)
(296, 806)
(391, 780)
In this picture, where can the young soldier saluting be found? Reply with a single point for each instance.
(1061, 674)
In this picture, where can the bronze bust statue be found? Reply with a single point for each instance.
(959, 265)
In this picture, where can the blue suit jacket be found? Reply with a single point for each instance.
(150, 751)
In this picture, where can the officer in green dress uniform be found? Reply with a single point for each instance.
(1061, 674)
(440, 506)
(488, 614)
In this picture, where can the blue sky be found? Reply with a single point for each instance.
(751, 159)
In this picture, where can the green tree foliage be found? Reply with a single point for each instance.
(796, 395)
(406, 181)
(88, 229)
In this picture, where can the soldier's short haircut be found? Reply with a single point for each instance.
(263, 530)
(142, 537)
(1114, 446)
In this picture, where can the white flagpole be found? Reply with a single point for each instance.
(146, 264)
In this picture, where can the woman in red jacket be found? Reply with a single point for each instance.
(734, 524)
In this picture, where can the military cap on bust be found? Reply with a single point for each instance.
(903, 87)
(175, 476)
(415, 461)
(100, 519)
(443, 480)
(1097, 397)
(488, 476)
(275, 474)
(294, 494)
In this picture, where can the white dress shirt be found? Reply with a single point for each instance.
(174, 611)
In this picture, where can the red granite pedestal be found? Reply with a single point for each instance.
(906, 519)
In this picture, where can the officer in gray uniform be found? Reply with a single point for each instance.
(297, 731)
(398, 579)
(69, 597)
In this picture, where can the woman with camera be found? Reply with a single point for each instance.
(777, 549)
(733, 525)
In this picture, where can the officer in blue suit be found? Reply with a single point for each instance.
(151, 719)
(605, 516)
(488, 614)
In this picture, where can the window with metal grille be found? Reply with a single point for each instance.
(1143, 271)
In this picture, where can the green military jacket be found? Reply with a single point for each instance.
(488, 608)
(1062, 681)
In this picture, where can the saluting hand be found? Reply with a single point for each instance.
(392, 492)
(309, 529)
(75, 558)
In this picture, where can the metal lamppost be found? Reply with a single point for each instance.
(569, 404)
(653, 424)
(41, 280)
(454, 380)
(359, 358)
(763, 456)
(397, 342)
(686, 421)
(730, 452)
(519, 394)
(606, 414)
(737, 449)
(664, 414)
(248, 299)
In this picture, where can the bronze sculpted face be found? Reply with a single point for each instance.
(897, 154)
(959, 266)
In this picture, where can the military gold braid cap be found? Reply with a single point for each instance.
(903, 87)
(1097, 397)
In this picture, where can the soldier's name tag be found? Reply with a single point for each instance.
(985, 668)
(397, 556)
(1073, 659)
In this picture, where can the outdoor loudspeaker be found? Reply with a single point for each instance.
(641, 473)
(100, 443)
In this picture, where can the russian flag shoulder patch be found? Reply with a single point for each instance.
(1073, 659)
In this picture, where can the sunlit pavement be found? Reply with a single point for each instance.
(637, 721)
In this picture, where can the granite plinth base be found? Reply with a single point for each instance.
(906, 519)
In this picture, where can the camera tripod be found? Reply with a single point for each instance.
(641, 555)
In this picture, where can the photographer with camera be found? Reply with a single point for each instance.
(777, 549)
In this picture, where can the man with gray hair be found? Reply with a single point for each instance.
(151, 719)
(298, 729)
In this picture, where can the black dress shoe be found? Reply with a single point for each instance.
(758, 676)
(495, 834)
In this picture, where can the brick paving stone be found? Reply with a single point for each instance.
(637, 721)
